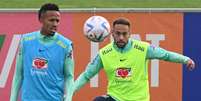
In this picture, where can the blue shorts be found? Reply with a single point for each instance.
(104, 98)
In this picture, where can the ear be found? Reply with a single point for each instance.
(129, 34)
(41, 18)
(113, 35)
(112, 32)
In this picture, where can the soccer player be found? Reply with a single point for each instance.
(125, 62)
(45, 65)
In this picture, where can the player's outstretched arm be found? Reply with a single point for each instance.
(92, 69)
(162, 54)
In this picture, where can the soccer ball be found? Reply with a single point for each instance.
(96, 28)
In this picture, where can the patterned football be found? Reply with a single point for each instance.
(96, 28)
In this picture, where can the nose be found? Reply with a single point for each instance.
(55, 23)
(121, 37)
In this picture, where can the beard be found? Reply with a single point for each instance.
(121, 44)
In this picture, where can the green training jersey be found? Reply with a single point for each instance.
(127, 72)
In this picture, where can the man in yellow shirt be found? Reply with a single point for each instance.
(125, 62)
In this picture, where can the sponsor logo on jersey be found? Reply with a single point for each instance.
(123, 72)
(136, 46)
(40, 63)
(106, 51)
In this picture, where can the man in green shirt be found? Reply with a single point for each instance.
(44, 64)
(125, 62)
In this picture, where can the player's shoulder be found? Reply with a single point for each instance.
(106, 49)
(140, 42)
(108, 46)
(140, 45)
(63, 41)
(30, 36)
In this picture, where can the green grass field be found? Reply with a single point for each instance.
(103, 3)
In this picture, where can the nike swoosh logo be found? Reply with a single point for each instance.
(40, 50)
(122, 59)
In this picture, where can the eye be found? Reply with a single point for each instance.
(125, 33)
(57, 20)
(53, 20)
(118, 33)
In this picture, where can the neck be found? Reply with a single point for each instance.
(125, 48)
(43, 32)
(122, 47)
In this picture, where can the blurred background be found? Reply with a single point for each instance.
(172, 24)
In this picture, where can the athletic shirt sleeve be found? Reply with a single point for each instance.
(92, 69)
(162, 54)
(18, 75)
(69, 73)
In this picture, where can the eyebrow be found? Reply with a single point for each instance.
(121, 32)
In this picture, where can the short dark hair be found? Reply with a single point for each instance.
(47, 7)
(122, 20)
